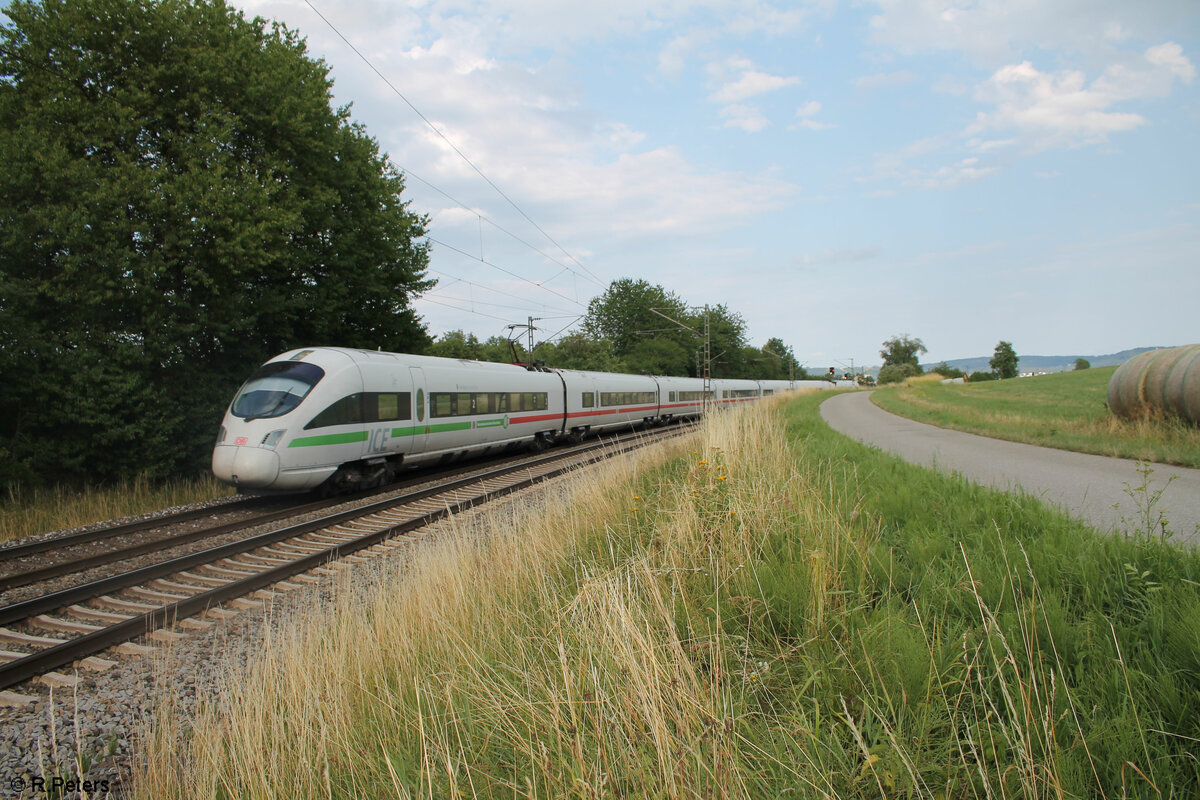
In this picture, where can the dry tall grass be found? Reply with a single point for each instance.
(35, 511)
(695, 621)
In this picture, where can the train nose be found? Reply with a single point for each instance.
(245, 467)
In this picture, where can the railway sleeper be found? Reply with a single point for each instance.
(65, 625)
(205, 580)
(95, 613)
(16, 637)
(124, 605)
(154, 594)
(172, 586)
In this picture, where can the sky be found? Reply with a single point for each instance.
(962, 171)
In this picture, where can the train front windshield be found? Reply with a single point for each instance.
(275, 389)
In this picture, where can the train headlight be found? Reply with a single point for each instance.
(271, 439)
(221, 434)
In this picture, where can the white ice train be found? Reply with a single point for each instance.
(342, 419)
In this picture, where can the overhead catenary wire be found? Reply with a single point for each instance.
(455, 279)
(502, 269)
(451, 144)
(497, 226)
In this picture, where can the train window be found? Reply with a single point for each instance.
(420, 405)
(275, 389)
(625, 398)
(463, 404)
(768, 392)
(741, 392)
(589, 399)
(671, 398)
(347, 411)
(441, 404)
(387, 406)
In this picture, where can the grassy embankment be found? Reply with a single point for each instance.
(767, 610)
(1067, 410)
(33, 511)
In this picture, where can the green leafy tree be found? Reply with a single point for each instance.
(780, 362)
(948, 371)
(178, 202)
(623, 316)
(727, 337)
(1082, 363)
(903, 350)
(1004, 361)
(457, 344)
(500, 350)
(658, 357)
(578, 351)
(896, 373)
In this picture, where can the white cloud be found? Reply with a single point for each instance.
(751, 83)
(993, 32)
(1062, 109)
(748, 118)
(1171, 55)
(804, 112)
(810, 125)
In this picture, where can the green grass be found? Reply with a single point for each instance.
(33, 511)
(747, 615)
(1067, 410)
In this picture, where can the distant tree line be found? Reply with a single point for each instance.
(900, 361)
(638, 327)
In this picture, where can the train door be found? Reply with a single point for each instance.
(420, 417)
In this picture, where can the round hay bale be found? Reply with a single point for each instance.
(1127, 386)
(1165, 381)
(1158, 369)
(1182, 385)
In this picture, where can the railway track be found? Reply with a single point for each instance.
(147, 600)
(24, 565)
(30, 563)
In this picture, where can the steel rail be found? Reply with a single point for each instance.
(18, 579)
(70, 650)
(86, 537)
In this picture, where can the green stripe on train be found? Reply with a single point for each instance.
(414, 430)
(330, 438)
(417, 430)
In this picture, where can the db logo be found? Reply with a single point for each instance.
(241, 440)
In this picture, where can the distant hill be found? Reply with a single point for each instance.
(1042, 363)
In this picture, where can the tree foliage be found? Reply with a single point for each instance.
(903, 350)
(896, 373)
(948, 371)
(1004, 361)
(1082, 363)
(178, 202)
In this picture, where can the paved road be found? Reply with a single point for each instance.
(1085, 486)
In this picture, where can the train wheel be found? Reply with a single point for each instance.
(540, 443)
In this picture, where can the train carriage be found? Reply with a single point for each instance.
(735, 391)
(682, 398)
(339, 418)
(598, 401)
